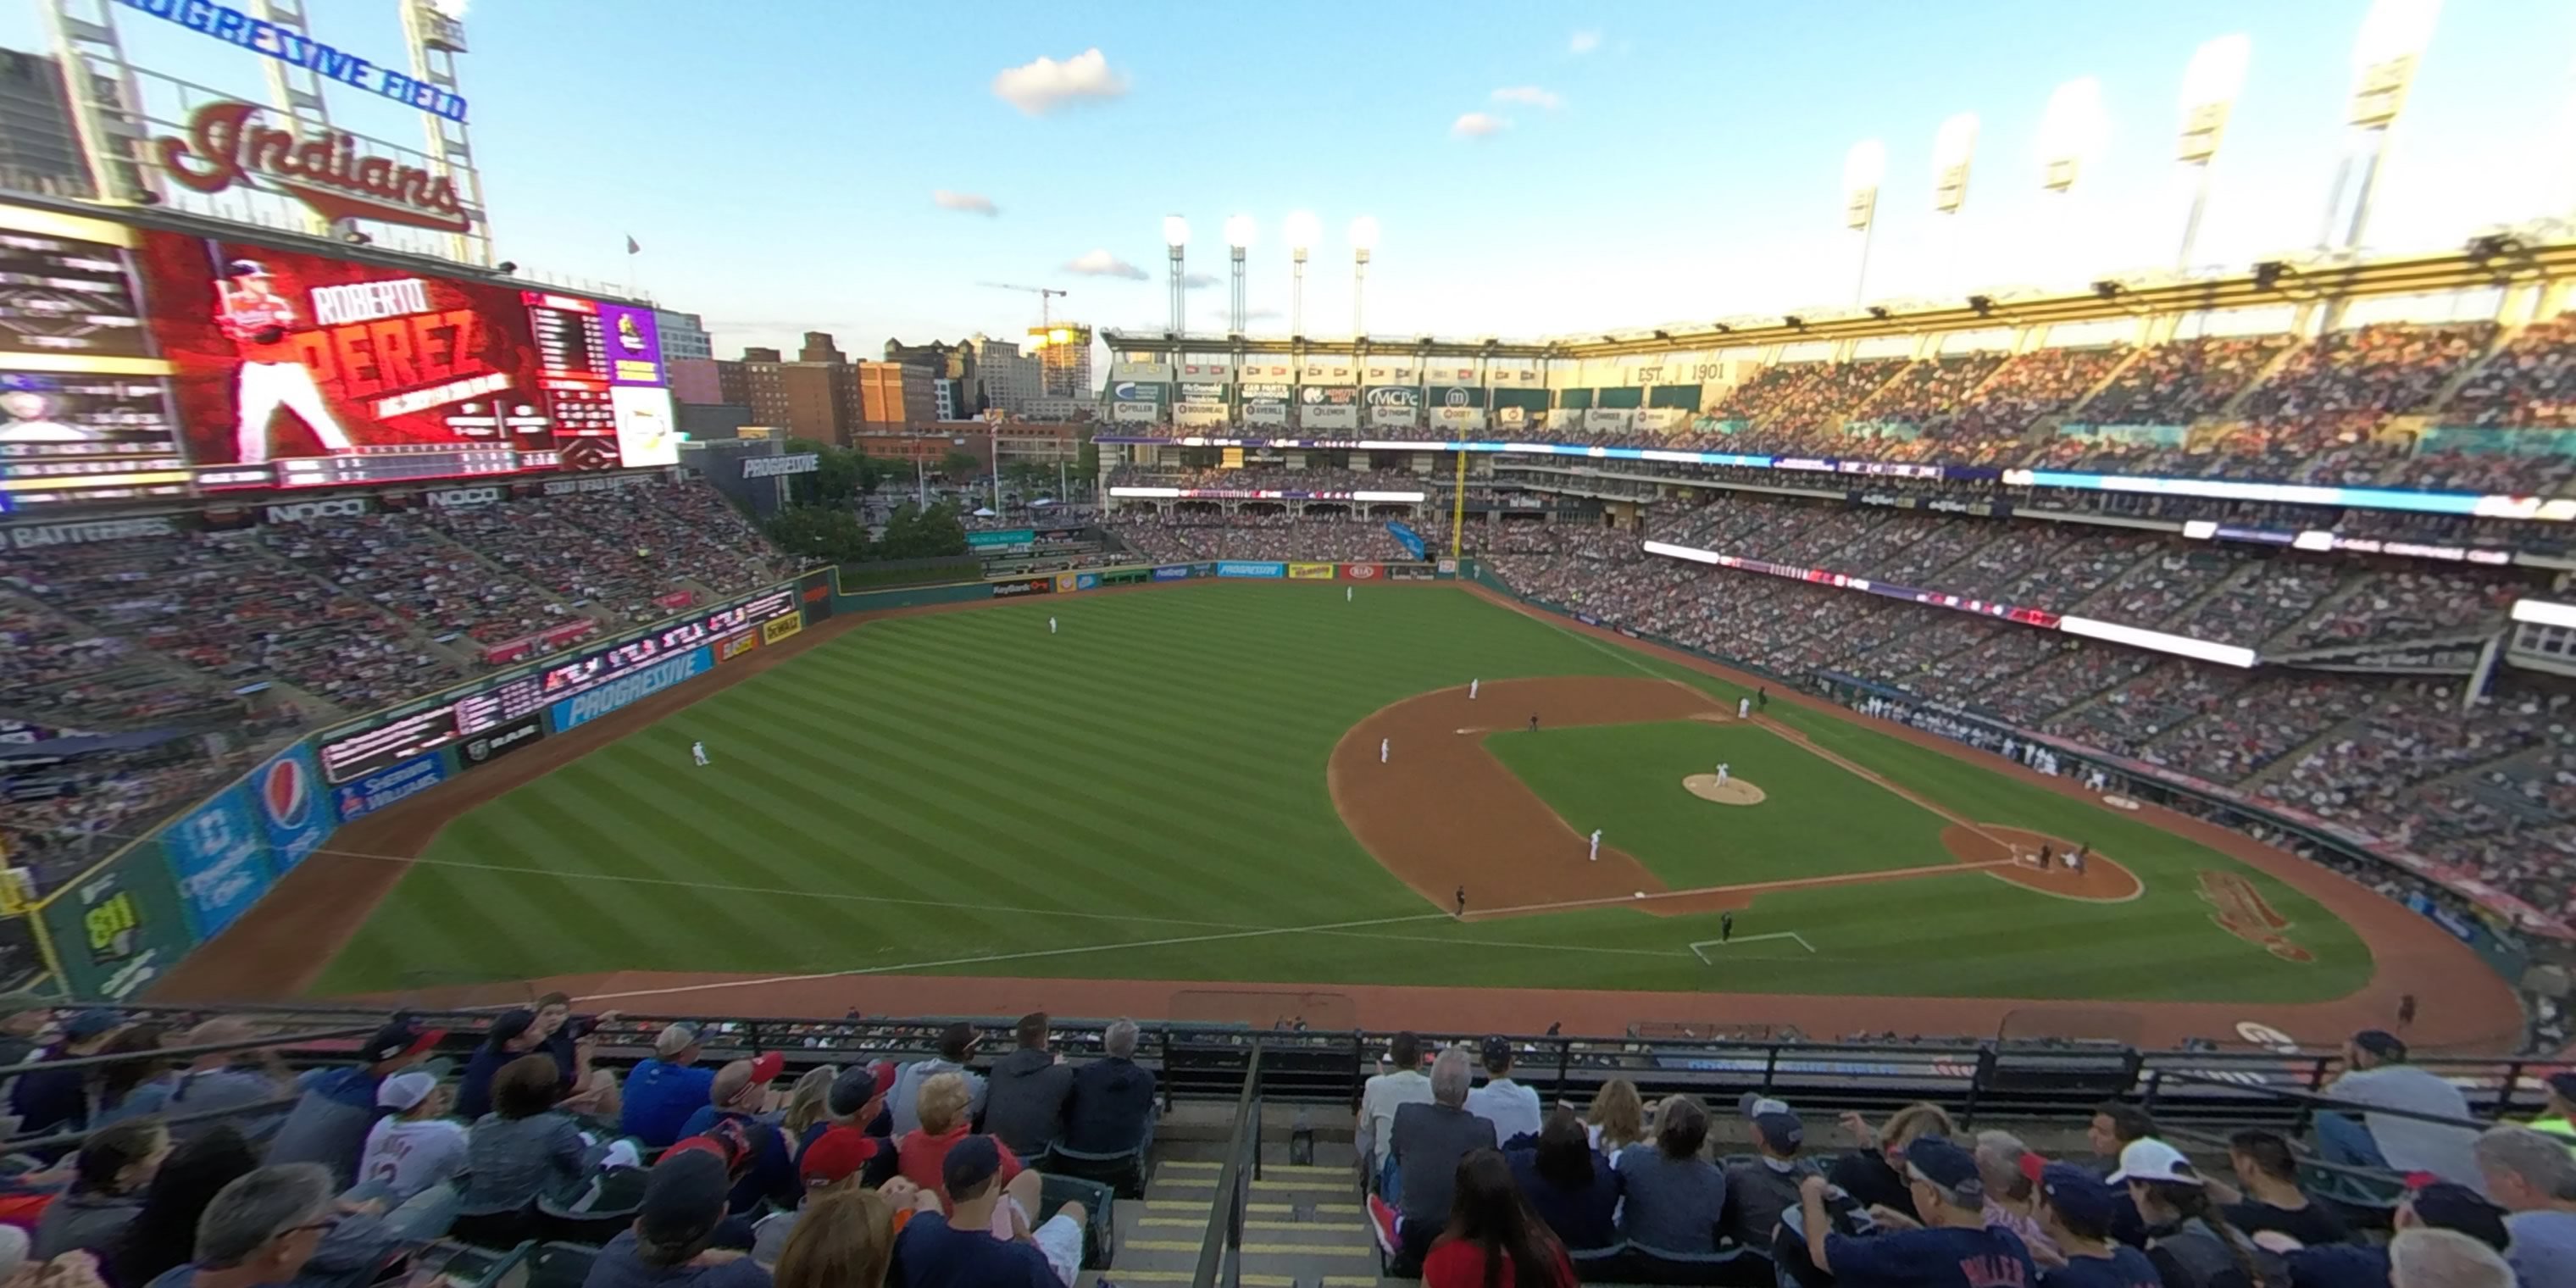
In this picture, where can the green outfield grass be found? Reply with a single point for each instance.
(1143, 796)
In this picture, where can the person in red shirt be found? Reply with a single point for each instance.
(922, 1155)
(257, 320)
(1494, 1240)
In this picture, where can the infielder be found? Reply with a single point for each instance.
(1382, 744)
(255, 319)
(698, 752)
(1471, 689)
(1596, 845)
(1744, 708)
(1722, 772)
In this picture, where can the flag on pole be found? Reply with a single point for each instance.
(631, 247)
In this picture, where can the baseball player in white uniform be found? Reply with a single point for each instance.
(1382, 746)
(1596, 845)
(1722, 772)
(1348, 594)
(698, 752)
(1744, 708)
(1471, 689)
(255, 318)
(1050, 626)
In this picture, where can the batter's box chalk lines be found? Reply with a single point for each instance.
(1699, 948)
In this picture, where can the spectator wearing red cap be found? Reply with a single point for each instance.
(842, 1157)
(2377, 1075)
(672, 1243)
(958, 1250)
(740, 1094)
(1024, 1104)
(856, 1103)
(1953, 1247)
(665, 1088)
(330, 1120)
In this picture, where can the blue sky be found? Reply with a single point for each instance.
(777, 158)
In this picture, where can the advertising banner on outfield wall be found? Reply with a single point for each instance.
(292, 806)
(1127, 576)
(581, 710)
(1310, 572)
(1360, 572)
(385, 787)
(219, 860)
(734, 646)
(779, 628)
(117, 931)
(484, 748)
(1237, 569)
(1065, 583)
(1394, 406)
(1023, 586)
(1172, 572)
(1328, 406)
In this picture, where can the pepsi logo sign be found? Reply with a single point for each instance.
(287, 794)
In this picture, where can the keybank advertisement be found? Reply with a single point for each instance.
(292, 807)
(389, 786)
(219, 860)
(1252, 570)
(608, 697)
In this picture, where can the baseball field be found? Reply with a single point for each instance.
(1237, 784)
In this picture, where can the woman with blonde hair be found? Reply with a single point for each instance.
(844, 1239)
(1618, 1117)
(808, 1101)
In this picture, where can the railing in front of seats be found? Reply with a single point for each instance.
(1221, 1247)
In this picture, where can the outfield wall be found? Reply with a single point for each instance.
(130, 919)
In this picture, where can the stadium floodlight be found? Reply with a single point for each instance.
(2209, 89)
(1238, 237)
(1303, 232)
(1863, 169)
(2384, 56)
(1952, 149)
(1176, 240)
(1363, 240)
(1239, 232)
(2070, 133)
(1176, 231)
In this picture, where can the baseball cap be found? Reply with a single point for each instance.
(731, 1079)
(836, 1155)
(2085, 1199)
(245, 268)
(2381, 1043)
(684, 1198)
(2564, 1083)
(509, 1024)
(970, 1163)
(1495, 1050)
(2445, 1206)
(402, 1038)
(674, 1039)
(405, 1091)
(89, 1024)
(2149, 1159)
(1945, 1164)
(856, 1086)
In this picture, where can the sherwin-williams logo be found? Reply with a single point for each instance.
(2240, 910)
(287, 794)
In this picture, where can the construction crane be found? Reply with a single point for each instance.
(1044, 293)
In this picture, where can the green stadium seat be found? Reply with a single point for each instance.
(1099, 1203)
(559, 1265)
(1123, 1171)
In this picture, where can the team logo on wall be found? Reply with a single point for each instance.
(1454, 398)
(287, 794)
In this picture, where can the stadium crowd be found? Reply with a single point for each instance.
(1190, 537)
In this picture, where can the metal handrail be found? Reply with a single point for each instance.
(257, 1109)
(183, 1054)
(1221, 1246)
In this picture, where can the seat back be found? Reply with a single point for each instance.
(1099, 1204)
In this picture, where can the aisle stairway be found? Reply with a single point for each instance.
(1305, 1227)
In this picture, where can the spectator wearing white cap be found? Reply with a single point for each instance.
(2533, 1177)
(661, 1092)
(2190, 1241)
(2377, 1075)
(414, 1147)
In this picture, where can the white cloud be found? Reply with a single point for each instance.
(1196, 280)
(966, 203)
(1531, 95)
(1101, 263)
(1042, 86)
(1584, 42)
(1258, 313)
(1478, 125)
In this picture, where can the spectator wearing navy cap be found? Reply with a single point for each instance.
(664, 1089)
(2190, 1241)
(1953, 1247)
(2077, 1210)
(2377, 1075)
(1024, 1105)
(330, 1120)
(52, 1100)
(513, 1033)
(2428, 1204)
(855, 1103)
(1759, 1190)
(671, 1244)
(958, 1250)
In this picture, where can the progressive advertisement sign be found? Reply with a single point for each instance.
(292, 807)
(572, 713)
(219, 861)
(1242, 569)
(1328, 406)
(388, 787)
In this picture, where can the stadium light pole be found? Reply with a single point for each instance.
(1363, 240)
(1954, 146)
(2384, 57)
(2070, 138)
(2209, 89)
(1303, 232)
(1238, 238)
(1863, 168)
(1176, 239)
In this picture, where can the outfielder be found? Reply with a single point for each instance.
(1471, 689)
(1347, 592)
(698, 752)
(1596, 845)
(1744, 708)
(255, 318)
(1050, 626)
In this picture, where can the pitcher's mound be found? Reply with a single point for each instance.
(1734, 791)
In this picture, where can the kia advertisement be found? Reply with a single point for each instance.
(292, 806)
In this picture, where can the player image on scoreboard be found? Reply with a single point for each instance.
(272, 372)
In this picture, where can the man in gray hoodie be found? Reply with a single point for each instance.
(1024, 1099)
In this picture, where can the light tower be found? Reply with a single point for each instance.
(1176, 239)
(1863, 168)
(1238, 238)
(2070, 139)
(2209, 89)
(1363, 240)
(2384, 56)
(1303, 231)
(1954, 146)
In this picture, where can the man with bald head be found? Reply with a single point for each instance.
(1428, 1141)
(227, 1080)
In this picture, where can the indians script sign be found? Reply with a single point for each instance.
(227, 145)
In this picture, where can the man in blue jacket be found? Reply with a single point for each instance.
(663, 1091)
(329, 1122)
(1111, 1109)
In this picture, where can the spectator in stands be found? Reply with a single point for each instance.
(512, 1034)
(956, 1047)
(2533, 1177)
(957, 1250)
(1674, 1196)
(2444, 1259)
(1428, 1140)
(1401, 1083)
(1111, 1110)
(523, 1150)
(856, 1104)
(1509, 1106)
(115, 1166)
(568, 1039)
(330, 1120)
(57, 1100)
(1025, 1097)
(2426, 1205)
(163, 1234)
(2077, 1208)
(1951, 1244)
(2376, 1074)
(923, 1152)
(2188, 1238)
(845, 1239)
(2559, 1118)
(1618, 1118)
(2009, 1172)
(226, 1079)
(671, 1243)
(1760, 1189)
(138, 1084)
(1874, 1174)
(262, 1229)
(1570, 1185)
(740, 1094)
(414, 1146)
(840, 1159)
(2271, 1200)
(1493, 1235)
(2115, 1127)
(23, 1017)
(808, 1104)
(664, 1089)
